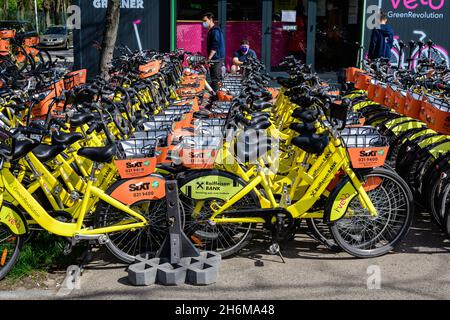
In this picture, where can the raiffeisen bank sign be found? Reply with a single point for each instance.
(125, 4)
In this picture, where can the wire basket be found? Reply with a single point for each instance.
(159, 125)
(366, 147)
(198, 152)
(137, 148)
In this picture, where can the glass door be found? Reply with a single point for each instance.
(336, 34)
(288, 31)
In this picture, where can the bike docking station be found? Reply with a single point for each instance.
(178, 261)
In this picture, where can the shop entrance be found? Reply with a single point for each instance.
(323, 33)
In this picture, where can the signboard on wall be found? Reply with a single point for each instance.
(418, 20)
(88, 39)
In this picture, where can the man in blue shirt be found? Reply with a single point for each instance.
(241, 55)
(381, 40)
(215, 44)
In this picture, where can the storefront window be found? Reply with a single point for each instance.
(244, 22)
(191, 36)
(288, 30)
(192, 9)
(337, 34)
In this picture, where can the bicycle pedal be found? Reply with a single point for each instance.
(67, 249)
(274, 248)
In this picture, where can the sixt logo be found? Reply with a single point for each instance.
(134, 164)
(368, 153)
(137, 164)
(139, 186)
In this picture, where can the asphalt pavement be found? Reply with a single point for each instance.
(418, 269)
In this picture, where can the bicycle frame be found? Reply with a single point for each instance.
(15, 189)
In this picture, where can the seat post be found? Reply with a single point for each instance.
(94, 169)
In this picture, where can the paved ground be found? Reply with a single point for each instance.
(418, 270)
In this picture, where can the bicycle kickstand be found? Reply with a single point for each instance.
(275, 247)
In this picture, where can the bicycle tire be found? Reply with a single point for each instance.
(320, 232)
(7, 261)
(147, 239)
(367, 249)
(199, 230)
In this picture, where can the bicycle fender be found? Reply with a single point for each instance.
(13, 219)
(339, 200)
(360, 105)
(130, 191)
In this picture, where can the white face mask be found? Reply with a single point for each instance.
(205, 25)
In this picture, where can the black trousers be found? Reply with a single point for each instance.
(215, 72)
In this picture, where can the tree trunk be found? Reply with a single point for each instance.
(57, 11)
(47, 9)
(109, 35)
(5, 9)
(48, 19)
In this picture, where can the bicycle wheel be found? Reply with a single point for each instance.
(41, 63)
(378, 118)
(46, 56)
(321, 232)
(10, 245)
(224, 238)
(447, 223)
(432, 186)
(126, 245)
(443, 205)
(365, 236)
(396, 144)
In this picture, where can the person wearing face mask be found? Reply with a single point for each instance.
(216, 49)
(241, 56)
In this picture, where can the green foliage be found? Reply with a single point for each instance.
(44, 252)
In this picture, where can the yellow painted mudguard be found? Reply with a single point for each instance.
(339, 200)
(13, 219)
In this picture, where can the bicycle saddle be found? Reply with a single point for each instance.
(302, 128)
(46, 152)
(22, 147)
(79, 119)
(261, 105)
(100, 154)
(287, 83)
(258, 114)
(312, 143)
(263, 125)
(67, 139)
(306, 115)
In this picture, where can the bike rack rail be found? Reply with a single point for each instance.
(178, 261)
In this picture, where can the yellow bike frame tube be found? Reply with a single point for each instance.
(34, 209)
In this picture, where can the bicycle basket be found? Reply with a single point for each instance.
(438, 115)
(149, 69)
(31, 41)
(135, 168)
(74, 79)
(366, 147)
(199, 152)
(4, 45)
(7, 34)
(48, 94)
(137, 148)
